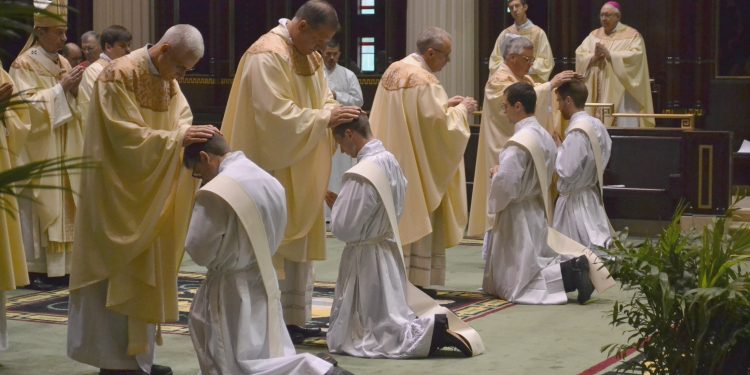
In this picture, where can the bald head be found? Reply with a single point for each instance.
(177, 52)
(73, 53)
(317, 14)
(184, 39)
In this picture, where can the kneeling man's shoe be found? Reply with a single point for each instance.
(443, 337)
(160, 370)
(299, 334)
(583, 282)
(120, 372)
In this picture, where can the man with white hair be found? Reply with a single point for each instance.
(90, 46)
(495, 129)
(427, 132)
(279, 113)
(130, 233)
(613, 60)
(543, 60)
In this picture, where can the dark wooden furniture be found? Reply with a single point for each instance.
(659, 167)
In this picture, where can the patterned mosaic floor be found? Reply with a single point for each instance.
(52, 307)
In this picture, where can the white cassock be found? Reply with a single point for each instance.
(521, 267)
(579, 212)
(370, 316)
(344, 83)
(228, 318)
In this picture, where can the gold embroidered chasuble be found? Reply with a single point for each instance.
(278, 113)
(608, 82)
(131, 227)
(411, 117)
(14, 126)
(55, 131)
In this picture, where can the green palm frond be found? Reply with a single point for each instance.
(27, 176)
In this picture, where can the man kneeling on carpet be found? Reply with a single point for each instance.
(238, 221)
(373, 312)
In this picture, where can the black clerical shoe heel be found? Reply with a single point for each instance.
(299, 334)
(328, 358)
(583, 282)
(455, 340)
(160, 370)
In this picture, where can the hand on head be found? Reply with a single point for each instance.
(199, 134)
(343, 114)
(563, 77)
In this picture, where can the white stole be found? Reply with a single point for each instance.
(559, 242)
(419, 302)
(587, 128)
(247, 211)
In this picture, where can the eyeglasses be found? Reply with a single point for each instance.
(529, 60)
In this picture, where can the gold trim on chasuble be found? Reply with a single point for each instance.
(150, 91)
(304, 65)
(401, 75)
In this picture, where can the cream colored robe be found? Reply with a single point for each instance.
(86, 87)
(278, 113)
(544, 61)
(411, 117)
(131, 227)
(495, 130)
(55, 132)
(13, 271)
(626, 73)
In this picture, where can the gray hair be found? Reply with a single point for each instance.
(432, 37)
(185, 38)
(515, 44)
(90, 34)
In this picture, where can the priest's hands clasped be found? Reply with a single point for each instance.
(343, 114)
(469, 102)
(199, 134)
(71, 80)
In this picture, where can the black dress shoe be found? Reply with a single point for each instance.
(442, 337)
(299, 334)
(328, 358)
(160, 370)
(583, 282)
(38, 283)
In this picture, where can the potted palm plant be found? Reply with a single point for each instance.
(690, 308)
